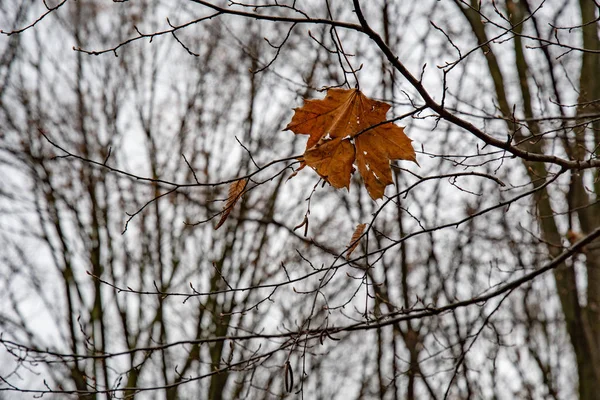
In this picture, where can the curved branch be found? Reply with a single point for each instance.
(430, 311)
(34, 23)
(448, 116)
(219, 11)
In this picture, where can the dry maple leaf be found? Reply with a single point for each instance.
(360, 228)
(348, 128)
(236, 190)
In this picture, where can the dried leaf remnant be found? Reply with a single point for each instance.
(349, 128)
(236, 190)
(355, 240)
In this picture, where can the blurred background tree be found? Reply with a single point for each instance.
(123, 124)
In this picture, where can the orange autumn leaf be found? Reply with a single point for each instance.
(345, 129)
(236, 190)
(360, 228)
